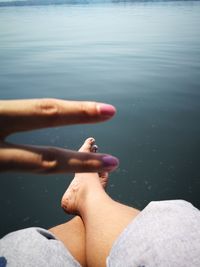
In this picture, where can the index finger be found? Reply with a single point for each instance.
(25, 115)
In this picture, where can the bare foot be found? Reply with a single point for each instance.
(71, 197)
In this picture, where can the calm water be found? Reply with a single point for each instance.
(142, 58)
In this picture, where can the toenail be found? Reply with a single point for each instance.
(94, 148)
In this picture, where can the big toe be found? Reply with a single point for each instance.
(87, 145)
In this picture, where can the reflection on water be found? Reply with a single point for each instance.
(142, 58)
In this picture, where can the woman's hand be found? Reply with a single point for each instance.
(26, 115)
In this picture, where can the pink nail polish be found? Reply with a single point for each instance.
(109, 162)
(107, 110)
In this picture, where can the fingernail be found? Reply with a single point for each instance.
(110, 163)
(106, 110)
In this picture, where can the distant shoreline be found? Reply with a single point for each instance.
(74, 2)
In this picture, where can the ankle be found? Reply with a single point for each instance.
(90, 198)
(80, 192)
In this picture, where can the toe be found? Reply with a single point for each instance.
(94, 149)
(87, 145)
(103, 177)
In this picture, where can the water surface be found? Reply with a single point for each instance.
(144, 58)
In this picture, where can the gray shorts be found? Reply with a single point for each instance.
(164, 234)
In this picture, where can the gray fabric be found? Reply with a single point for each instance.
(164, 234)
(34, 247)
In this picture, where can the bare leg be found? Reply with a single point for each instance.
(72, 233)
(104, 218)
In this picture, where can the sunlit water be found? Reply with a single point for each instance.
(142, 58)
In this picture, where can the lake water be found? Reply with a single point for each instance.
(144, 58)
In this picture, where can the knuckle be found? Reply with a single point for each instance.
(89, 165)
(48, 161)
(83, 165)
(49, 107)
(48, 166)
(84, 110)
(79, 165)
(88, 109)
